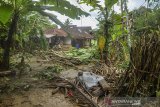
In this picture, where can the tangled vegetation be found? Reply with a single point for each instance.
(84, 55)
(48, 72)
(129, 40)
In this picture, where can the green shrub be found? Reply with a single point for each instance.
(85, 55)
(49, 71)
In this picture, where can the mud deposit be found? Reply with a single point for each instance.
(35, 98)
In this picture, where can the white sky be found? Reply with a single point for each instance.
(90, 20)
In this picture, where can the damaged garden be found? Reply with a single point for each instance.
(46, 64)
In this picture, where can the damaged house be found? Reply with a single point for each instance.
(75, 36)
(81, 36)
(57, 36)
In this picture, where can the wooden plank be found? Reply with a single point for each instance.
(7, 73)
(105, 86)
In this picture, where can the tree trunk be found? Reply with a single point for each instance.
(107, 37)
(12, 30)
(128, 25)
(106, 34)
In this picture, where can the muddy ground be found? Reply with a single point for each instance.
(30, 91)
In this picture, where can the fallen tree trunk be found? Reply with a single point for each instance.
(6, 73)
(51, 56)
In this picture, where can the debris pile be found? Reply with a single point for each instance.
(85, 89)
(54, 57)
(94, 84)
(47, 72)
(111, 74)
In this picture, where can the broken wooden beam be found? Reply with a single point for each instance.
(86, 97)
(105, 86)
(7, 73)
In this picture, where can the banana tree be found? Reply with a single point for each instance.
(11, 11)
(105, 11)
(29, 34)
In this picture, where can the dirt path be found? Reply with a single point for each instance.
(29, 91)
(36, 98)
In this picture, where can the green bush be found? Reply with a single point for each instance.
(85, 55)
(49, 71)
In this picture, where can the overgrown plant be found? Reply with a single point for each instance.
(85, 55)
(104, 16)
(49, 71)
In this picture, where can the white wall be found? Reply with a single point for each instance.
(67, 41)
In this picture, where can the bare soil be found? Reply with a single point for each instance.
(29, 91)
(36, 98)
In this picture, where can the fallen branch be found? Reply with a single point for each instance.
(86, 97)
(69, 85)
(7, 73)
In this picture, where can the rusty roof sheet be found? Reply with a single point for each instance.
(73, 30)
(55, 32)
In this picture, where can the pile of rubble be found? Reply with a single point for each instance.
(56, 57)
(111, 74)
(88, 88)
(85, 89)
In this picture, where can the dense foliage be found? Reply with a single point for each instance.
(15, 13)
